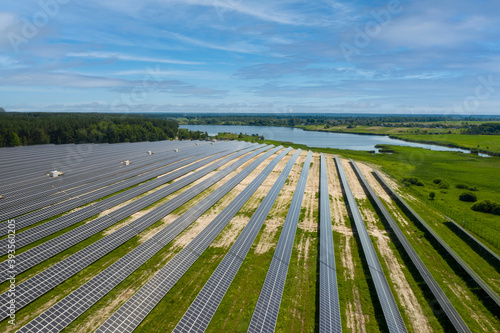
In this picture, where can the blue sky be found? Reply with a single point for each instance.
(240, 56)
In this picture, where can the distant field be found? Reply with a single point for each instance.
(485, 142)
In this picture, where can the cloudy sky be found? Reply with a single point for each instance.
(281, 56)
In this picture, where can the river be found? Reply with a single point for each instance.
(317, 139)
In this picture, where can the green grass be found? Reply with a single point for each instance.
(298, 304)
(481, 142)
(444, 272)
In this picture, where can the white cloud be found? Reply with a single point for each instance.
(126, 57)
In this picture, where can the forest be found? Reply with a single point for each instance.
(18, 129)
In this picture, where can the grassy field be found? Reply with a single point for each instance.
(482, 142)
(451, 168)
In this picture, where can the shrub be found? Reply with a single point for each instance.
(444, 186)
(436, 181)
(468, 197)
(487, 206)
(462, 186)
(432, 195)
(413, 181)
(473, 188)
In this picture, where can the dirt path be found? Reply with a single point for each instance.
(310, 201)
(338, 210)
(356, 188)
(278, 212)
(403, 290)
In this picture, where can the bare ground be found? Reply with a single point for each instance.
(311, 197)
(206, 218)
(404, 292)
(338, 209)
(277, 215)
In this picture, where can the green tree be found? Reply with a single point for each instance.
(2, 110)
(432, 195)
(13, 140)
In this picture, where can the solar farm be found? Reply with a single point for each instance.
(228, 236)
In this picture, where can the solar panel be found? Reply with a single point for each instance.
(266, 311)
(329, 308)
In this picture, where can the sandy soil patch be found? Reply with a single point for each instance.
(356, 188)
(338, 209)
(206, 218)
(404, 292)
(485, 324)
(311, 196)
(231, 232)
(276, 216)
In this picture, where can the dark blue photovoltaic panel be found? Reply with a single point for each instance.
(329, 307)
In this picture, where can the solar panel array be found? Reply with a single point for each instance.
(32, 235)
(389, 307)
(130, 314)
(438, 293)
(89, 293)
(58, 273)
(85, 195)
(466, 268)
(201, 311)
(99, 182)
(329, 307)
(266, 311)
(100, 173)
(56, 245)
(63, 191)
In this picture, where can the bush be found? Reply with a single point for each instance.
(444, 186)
(473, 188)
(432, 195)
(413, 181)
(487, 206)
(436, 181)
(468, 197)
(462, 186)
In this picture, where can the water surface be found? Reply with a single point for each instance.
(317, 139)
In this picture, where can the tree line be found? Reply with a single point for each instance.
(327, 120)
(484, 129)
(60, 128)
